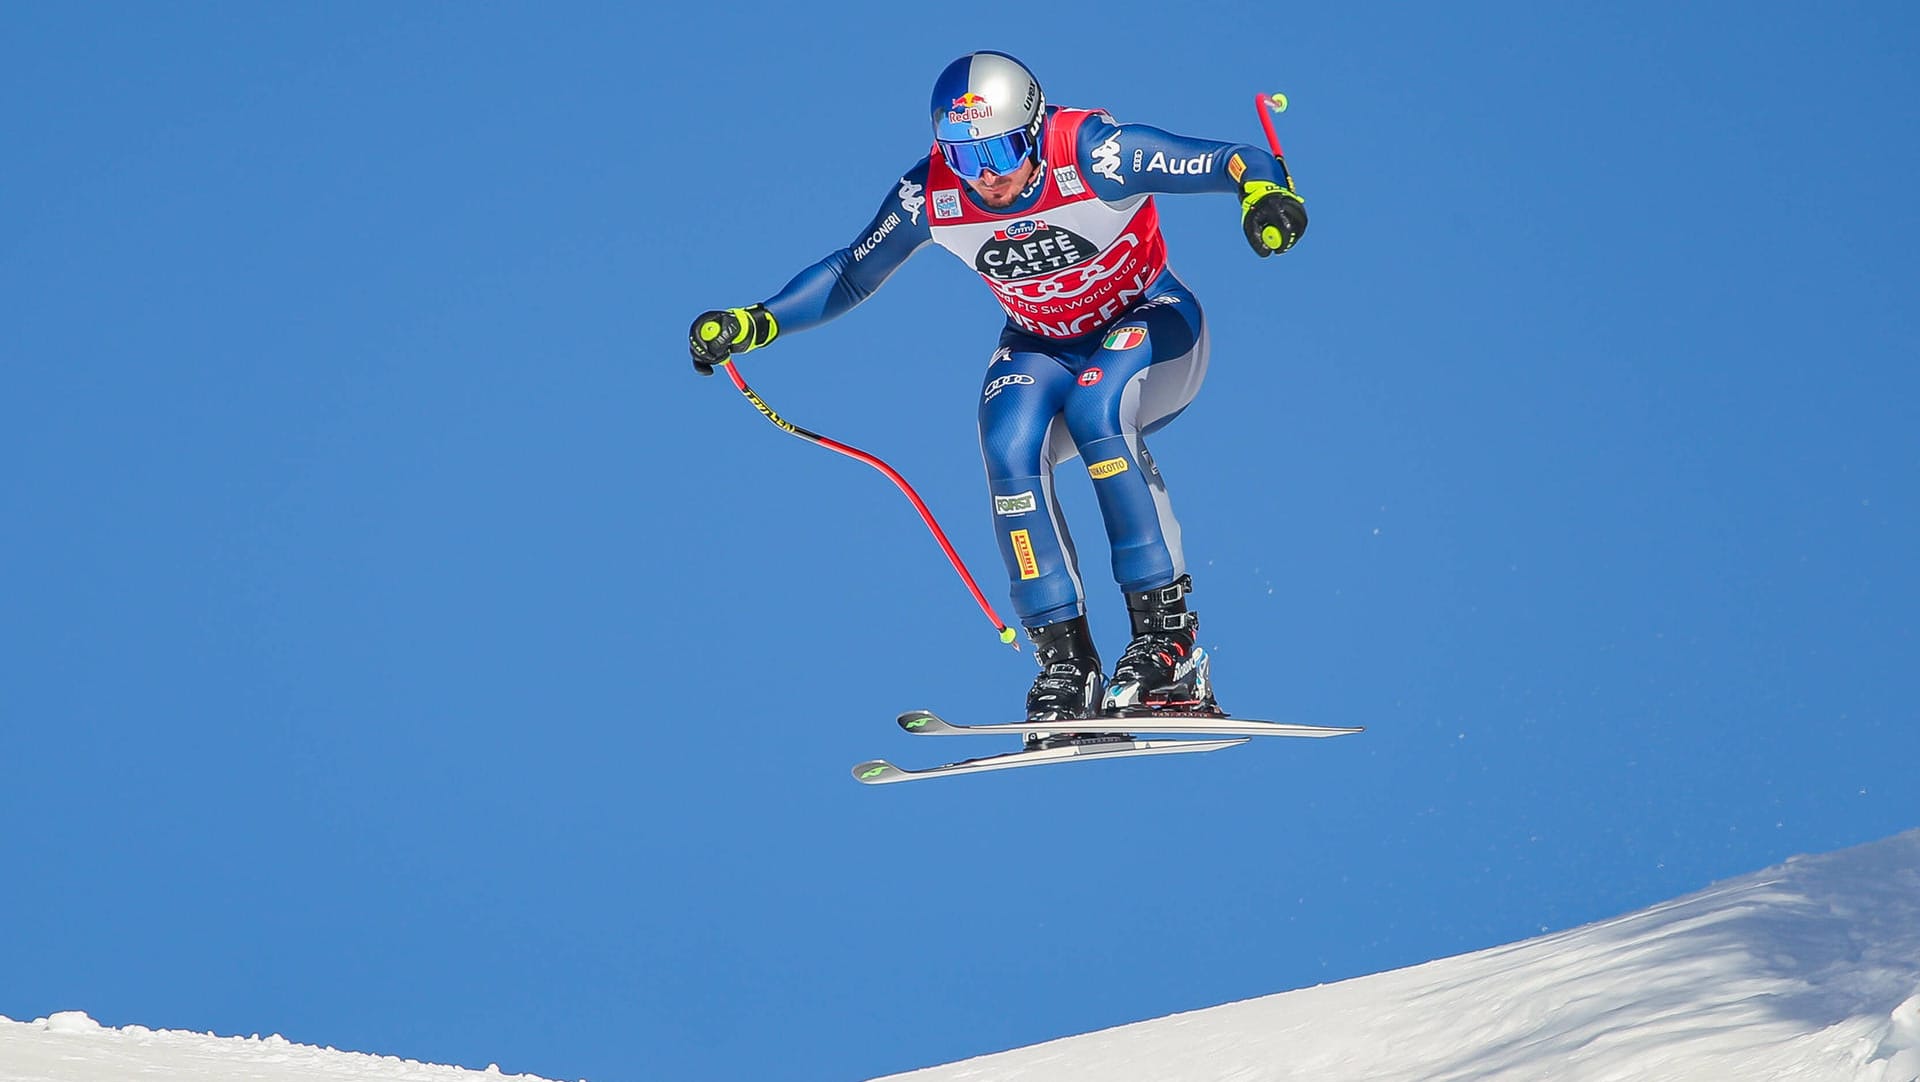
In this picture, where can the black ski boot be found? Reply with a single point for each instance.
(1068, 687)
(1163, 668)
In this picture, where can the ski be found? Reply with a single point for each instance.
(881, 772)
(1164, 723)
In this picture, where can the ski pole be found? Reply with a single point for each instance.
(1007, 634)
(1269, 104)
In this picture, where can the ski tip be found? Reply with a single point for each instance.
(877, 772)
(922, 721)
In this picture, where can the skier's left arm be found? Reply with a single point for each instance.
(1122, 161)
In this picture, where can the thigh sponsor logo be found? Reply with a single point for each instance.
(1112, 467)
(1090, 377)
(1023, 554)
(1020, 504)
(1016, 379)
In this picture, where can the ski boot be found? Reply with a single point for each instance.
(1164, 668)
(1068, 687)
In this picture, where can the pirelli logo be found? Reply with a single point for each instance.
(1112, 467)
(1023, 554)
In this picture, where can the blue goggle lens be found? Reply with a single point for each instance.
(1000, 153)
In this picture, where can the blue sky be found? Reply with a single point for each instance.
(405, 651)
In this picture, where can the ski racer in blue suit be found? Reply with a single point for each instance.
(1102, 346)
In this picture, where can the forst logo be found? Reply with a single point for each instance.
(968, 108)
(1022, 504)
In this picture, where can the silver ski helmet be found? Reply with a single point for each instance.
(987, 114)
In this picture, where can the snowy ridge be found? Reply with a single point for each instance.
(1806, 971)
(71, 1047)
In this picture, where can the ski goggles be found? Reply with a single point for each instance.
(1001, 153)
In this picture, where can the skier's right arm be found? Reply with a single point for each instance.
(826, 290)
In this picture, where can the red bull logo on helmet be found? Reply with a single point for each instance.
(968, 108)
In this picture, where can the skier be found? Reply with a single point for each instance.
(1102, 346)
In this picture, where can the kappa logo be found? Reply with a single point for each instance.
(1023, 556)
(1106, 159)
(911, 200)
(946, 203)
(1021, 504)
(1016, 379)
(1112, 467)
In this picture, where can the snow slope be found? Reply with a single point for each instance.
(1807, 971)
(71, 1047)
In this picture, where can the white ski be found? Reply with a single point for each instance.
(881, 772)
(1165, 723)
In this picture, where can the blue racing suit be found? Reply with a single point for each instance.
(1102, 345)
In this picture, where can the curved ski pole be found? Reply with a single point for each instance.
(1007, 634)
(1269, 104)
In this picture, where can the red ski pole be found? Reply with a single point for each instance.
(1269, 104)
(1007, 634)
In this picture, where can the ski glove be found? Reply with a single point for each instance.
(1273, 215)
(717, 336)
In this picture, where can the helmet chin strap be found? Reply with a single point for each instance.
(1039, 176)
